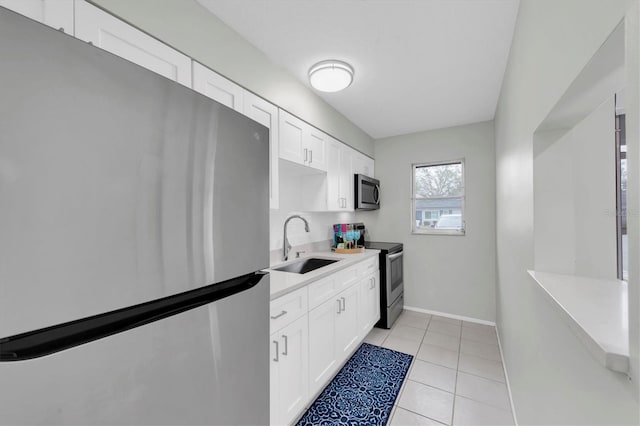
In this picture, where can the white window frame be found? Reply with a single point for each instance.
(431, 231)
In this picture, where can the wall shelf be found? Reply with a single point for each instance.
(596, 310)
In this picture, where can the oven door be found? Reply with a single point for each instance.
(395, 286)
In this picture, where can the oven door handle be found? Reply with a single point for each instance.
(395, 256)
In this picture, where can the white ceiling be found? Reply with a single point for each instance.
(419, 64)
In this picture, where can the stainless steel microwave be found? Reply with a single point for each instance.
(366, 192)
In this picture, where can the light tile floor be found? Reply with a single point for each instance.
(456, 377)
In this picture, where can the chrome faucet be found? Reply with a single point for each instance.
(285, 242)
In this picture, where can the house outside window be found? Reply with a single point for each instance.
(438, 198)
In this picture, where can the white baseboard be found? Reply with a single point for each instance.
(452, 316)
(506, 378)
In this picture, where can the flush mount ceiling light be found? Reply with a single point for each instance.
(331, 76)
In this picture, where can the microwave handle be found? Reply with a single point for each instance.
(376, 194)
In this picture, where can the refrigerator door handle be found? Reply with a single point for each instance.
(49, 340)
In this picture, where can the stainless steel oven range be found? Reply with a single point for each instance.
(391, 281)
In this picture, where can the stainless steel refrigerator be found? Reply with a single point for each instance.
(133, 228)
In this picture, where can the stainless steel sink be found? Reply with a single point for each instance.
(303, 266)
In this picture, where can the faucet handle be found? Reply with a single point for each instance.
(298, 253)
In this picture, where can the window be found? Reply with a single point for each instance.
(438, 198)
(621, 197)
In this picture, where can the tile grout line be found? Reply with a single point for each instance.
(455, 384)
(457, 369)
(406, 377)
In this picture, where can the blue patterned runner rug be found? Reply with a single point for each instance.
(363, 392)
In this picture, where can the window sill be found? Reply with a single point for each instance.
(439, 232)
(596, 310)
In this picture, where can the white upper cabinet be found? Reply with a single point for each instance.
(362, 164)
(302, 143)
(217, 87)
(339, 176)
(334, 197)
(113, 35)
(266, 114)
(317, 144)
(54, 13)
(292, 138)
(346, 177)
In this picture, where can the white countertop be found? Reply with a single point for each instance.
(286, 282)
(596, 310)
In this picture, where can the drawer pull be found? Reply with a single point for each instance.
(279, 315)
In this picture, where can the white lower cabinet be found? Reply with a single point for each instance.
(323, 360)
(289, 358)
(342, 309)
(347, 330)
(369, 311)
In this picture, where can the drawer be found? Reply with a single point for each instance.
(346, 278)
(286, 309)
(368, 266)
(322, 290)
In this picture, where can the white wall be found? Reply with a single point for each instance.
(451, 274)
(295, 191)
(192, 29)
(553, 378)
(575, 198)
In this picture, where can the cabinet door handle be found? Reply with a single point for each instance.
(310, 156)
(286, 345)
(339, 308)
(344, 304)
(277, 358)
(279, 315)
(306, 152)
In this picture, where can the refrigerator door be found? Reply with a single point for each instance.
(117, 185)
(207, 366)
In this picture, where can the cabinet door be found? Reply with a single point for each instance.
(316, 144)
(346, 177)
(339, 176)
(362, 164)
(293, 356)
(111, 34)
(369, 312)
(274, 379)
(322, 344)
(335, 200)
(292, 136)
(347, 329)
(214, 86)
(266, 114)
(54, 13)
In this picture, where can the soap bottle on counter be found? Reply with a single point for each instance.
(337, 236)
